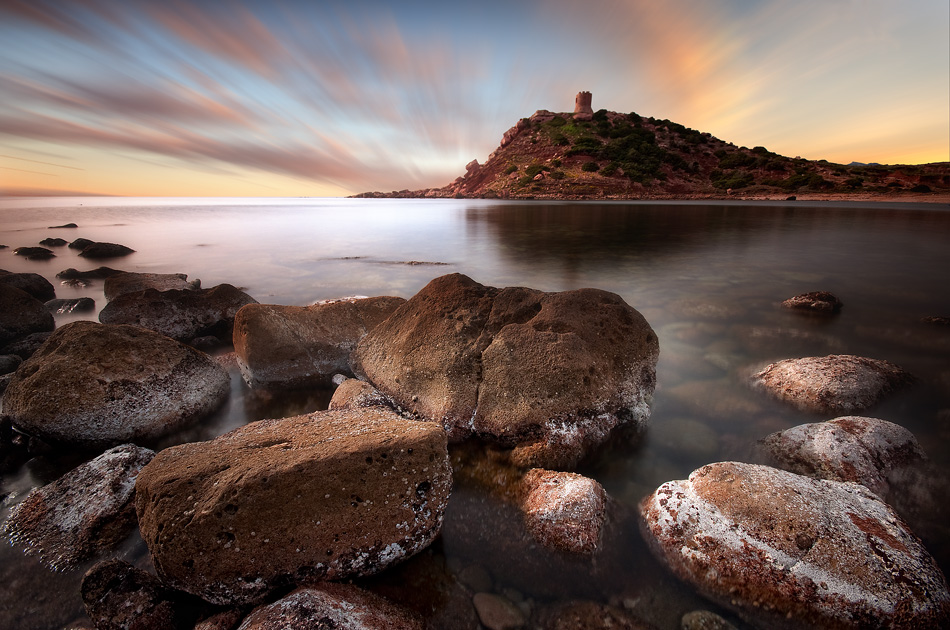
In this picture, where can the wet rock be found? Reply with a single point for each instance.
(818, 302)
(25, 347)
(9, 363)
(231, 519)
(87, 510)
(34, 253)
(356, 394)
(550, 373)
(564, 511)
(299, 346)
(53, 242)
(81, 243)
(179, 314)
(21, 314)
(587, 615)
(100, 273)
(117, 596)
(71, 305)
(121, 282)
(105, 250)
(67, 225)
(332, 607)
(704, 620)
(94, 384)
(33, 283)
(831, 384)
(787, 551)
(497, 612)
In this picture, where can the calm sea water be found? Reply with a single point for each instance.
(708, 277)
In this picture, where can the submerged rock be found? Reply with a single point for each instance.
(21, 314)
(820, 302)
(330, 495)
(121, 282)
(87, 510)
(550, 373)
(298, 346)
(564, 511)
(34, 253)
(177, 313)
(587, 615)
(787, 551)
(105, 250)
(497, 612)
(332, 607)
(831, 384)
(33, 283)
(94, 384)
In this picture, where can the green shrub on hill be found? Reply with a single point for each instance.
(590, 167)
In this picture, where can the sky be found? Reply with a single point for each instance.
(322, 98)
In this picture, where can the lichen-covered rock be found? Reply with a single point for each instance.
(87, 510)
(120, 282)
(181, 314)
(353, 393)
(329, 495)
(833, 384)
(821, 302)
(117, 596)
(788, 551)
(332, 607)
(94, 384)
(564, 511)
(33, 283)
(105, 250)
(21, 314)
(299, 346)
(553, 373)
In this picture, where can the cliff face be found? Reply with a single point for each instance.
(624, 156)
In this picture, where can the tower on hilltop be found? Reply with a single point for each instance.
(582, 103)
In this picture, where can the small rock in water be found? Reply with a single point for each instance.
(34, 253)
(122, 282)
(936, 320)
(105, 250)
(704, 620)
(53, 242)
(67, 225)
(497, 612)
(831, 384)
(820, 302)
(99, 273)
(81, 243)
(87, 510)
(71, 305)
(564, 511)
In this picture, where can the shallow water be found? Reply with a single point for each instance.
(708, 277)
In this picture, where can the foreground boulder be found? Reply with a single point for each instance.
(833, 384)
(298, 346)
(177, 313)
(787, 551)
(333, 607)
(330, 495)
(120, 282)
(21, 314)
(99, 385)
(548, 373)
(87, 510)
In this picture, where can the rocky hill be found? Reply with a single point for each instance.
(607, 155)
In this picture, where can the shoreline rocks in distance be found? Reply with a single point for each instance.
(325, 496)
(783, 550)
(550, 374)
(90, 385)
(832, 384)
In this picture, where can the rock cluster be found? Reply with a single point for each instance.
(550, 374)
(330, 495)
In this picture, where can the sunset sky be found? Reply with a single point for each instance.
(324, 98)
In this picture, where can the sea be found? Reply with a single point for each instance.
(708, 276)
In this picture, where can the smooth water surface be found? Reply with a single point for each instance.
(709, 277)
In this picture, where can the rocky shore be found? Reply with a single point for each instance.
(459, 419)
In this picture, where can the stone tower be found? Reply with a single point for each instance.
(582, 103)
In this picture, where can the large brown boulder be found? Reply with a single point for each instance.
(788, 551)
(299, 346)
(325, 496)
(181, 314)
(21, 314)
(95, 384)
(120, 282)
(833, 384)
(549, 373)
(87, 510)
(332, 607)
